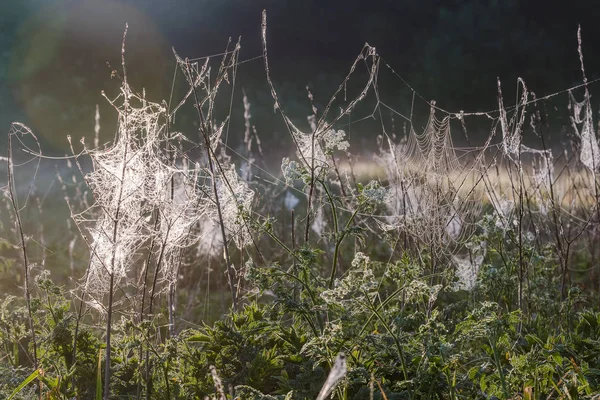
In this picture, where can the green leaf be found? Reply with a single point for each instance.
(198, 338)
(531, 339)
(473, 373)
(52, 383)
(26, 382)
(483, 383)
(593, 372)
(557, 358)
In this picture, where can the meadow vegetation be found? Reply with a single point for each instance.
(454, 273)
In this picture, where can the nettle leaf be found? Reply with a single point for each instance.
(198, 337)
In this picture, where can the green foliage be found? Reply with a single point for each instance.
(395, 323)
(34, 375)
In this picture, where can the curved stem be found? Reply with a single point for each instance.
(13, 200)
(337, 248)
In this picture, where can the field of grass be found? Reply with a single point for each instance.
(182, 269)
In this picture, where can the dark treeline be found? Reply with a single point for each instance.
(54, 54)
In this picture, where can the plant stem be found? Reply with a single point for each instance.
(205, 128)
(13, 200)
(116, 224)
(499, 367)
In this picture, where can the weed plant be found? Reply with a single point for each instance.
(458, 274)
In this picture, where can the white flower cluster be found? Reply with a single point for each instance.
(418, 290)
(313, 148)
(335, 140)
(374, 193)
(291, 171)
(358, 286)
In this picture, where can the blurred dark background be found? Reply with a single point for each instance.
(54, 54)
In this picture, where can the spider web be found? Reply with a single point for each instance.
(435, 190)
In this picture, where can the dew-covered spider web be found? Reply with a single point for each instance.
(154, 190)
(435, 190)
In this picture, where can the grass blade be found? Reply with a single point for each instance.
(26, 382)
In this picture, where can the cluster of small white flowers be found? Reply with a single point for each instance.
(291, 171)
(310, 151)
(415, 290)
(335, 140)
(333, 332)
(374, 193)
(434, 291)
(290, 201)
(314, 147)
(361, 260)
(419, 291)
(358, 285)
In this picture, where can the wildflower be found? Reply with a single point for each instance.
(291, 171)
(334, 140)
(374, 193)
